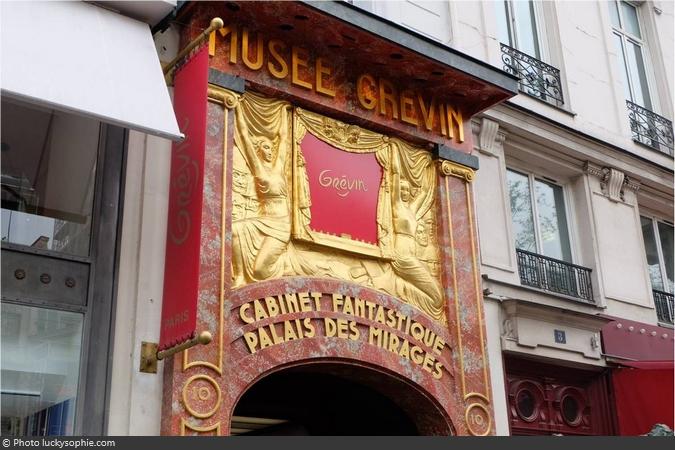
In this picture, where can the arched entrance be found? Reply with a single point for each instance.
(335, 399)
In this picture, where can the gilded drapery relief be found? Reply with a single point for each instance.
(272, 224)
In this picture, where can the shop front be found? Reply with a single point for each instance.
(67, 109)
(321, 228)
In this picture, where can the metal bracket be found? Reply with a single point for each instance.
(150, 356)
(202, 339)
(216, 24)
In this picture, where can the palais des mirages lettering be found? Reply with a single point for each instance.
(380, 326)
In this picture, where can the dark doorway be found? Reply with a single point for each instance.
(302, 401)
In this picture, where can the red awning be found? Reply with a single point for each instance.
(643, 392)
(653, 365)
(637, 341)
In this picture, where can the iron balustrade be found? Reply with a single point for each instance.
(537, 78)
(663, 301)
(650, 129)
(554, 275)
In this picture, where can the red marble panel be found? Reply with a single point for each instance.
(459, 250)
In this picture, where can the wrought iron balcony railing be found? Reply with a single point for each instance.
(554, 275)
(537, 78)
(664, 306)
(650, 129)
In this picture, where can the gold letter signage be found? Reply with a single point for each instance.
(295, 64)
(349, 318)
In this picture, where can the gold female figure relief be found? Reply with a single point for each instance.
(259, 242)
(416, 285)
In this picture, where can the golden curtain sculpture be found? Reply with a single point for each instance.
(271, 232)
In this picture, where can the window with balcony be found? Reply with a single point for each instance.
(542, 238)
(658, 239)
(522, 51)
(647, 127)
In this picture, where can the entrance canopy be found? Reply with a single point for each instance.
(80, 58)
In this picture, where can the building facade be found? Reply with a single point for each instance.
(459, 214)
(574, 198)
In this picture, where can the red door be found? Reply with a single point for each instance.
(547, 399)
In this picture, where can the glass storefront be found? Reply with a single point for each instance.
(40, 370)
(57, 268)
(48, 174)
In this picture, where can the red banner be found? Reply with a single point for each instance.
(344, 189)
(181, 267)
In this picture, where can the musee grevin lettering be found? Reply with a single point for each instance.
(283, 62)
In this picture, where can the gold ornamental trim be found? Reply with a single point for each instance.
(449, 168)
(222, 96)
(477, 288)
(473, 419)
(184, 426)
(455, 290)
(476, 394)
(350, 138)
(216, 388)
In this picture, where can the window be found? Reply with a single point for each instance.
(542, 240)
(518, 26)
(647, 127)
(522, 50)
(48, 176)
(629, 45)
(539, 220)
(658, 239)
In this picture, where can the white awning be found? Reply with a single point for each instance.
(81, 58)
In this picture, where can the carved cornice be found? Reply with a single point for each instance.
(631, 184)
(592, 169)
(449, 168)
(613, 182)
